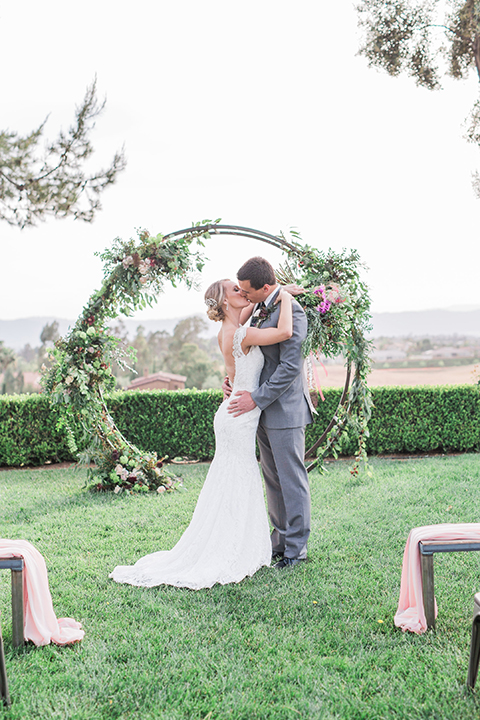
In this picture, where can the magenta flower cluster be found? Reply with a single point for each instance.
(325, 304)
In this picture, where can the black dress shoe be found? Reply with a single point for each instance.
(287, 562)
(276, 556)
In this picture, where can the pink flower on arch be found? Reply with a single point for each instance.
(335, 294)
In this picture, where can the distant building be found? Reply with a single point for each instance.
(158, 381)
(450, 352)
(389, 355)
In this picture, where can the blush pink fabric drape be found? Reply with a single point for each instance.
(41, 624)
(410, 613)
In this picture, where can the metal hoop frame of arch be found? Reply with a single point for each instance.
(134, 273)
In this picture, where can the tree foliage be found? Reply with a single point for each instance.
(426, 40)
(10, 382)
(49, 333)
(188, 353)
(415, 36)
(185, 352)
(35, 185)
(13, 383)
(7, 356)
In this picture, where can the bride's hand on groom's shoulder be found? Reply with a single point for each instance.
(227, 388)
(292, 289)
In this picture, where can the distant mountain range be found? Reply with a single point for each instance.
(17, 333)
(427, 322)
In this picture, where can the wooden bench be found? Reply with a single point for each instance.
(427, 549)
(16, 565)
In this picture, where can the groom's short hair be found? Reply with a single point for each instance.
(258, 272)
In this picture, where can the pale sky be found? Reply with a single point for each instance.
(257, 112)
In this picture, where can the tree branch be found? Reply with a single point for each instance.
(54, 188)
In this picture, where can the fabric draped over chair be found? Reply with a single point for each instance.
(410, 613)
(41, 624)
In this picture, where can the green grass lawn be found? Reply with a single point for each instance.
(316, 641)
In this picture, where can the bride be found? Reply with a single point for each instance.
(228, 537)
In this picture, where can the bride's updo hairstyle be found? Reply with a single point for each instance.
(214, 297)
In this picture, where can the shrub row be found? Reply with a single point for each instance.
(423, 419)
(28, 431)
(180, 423)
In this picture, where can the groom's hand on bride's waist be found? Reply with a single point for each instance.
(241, 403)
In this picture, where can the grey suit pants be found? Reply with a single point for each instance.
(288, 493)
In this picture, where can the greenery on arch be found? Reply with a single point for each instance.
(134, 273)
(336, 303)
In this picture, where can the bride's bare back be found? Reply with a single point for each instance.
(225, 343)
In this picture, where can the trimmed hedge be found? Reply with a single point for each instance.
(404, 419)
(425, 418)
(28, 433)
(173, 423)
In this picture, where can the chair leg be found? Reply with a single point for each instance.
(474, 654)
(428, 589)
(4, 694)
(17, 608)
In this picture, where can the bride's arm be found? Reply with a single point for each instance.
(246, 312)
(271, 336)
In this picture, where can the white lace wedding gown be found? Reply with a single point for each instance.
(228, 537)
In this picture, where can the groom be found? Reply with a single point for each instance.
(283, 398)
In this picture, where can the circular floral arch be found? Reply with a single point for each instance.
(335, 301)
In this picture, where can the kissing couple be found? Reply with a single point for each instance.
(265, 397)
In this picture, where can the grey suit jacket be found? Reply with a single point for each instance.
(282, 391)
